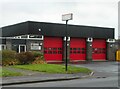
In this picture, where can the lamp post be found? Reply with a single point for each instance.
(66, 17)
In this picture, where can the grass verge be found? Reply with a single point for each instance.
(53, 68)
(7, 73)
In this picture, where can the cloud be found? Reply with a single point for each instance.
(85, 12)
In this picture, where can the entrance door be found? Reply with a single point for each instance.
(53, 49)
(22, 48)
(99, 49)
(77, 49)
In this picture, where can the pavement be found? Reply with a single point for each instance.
(34, 77)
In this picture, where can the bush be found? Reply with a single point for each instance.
(39, 58)
(38, 55)
(0, 58)
(25, 57)
(8, 58)
(37, 61)
(8, 62)
(8, 54)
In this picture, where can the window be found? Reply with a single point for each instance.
(103, 50)
(35, 46)
(45, 48)
(59, 52)
(59, 48)
(78, 52)
(71, 52)
(99, 50)
(54, 48)
(24, 36)
(83, 52)
(83, 49)
(74, 52)
(45, 52)
(74, 48)
(78, 48)
(49, 52)
(54, 52)
(18, 37)
(35, 36)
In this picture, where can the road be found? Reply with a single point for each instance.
(106, 75)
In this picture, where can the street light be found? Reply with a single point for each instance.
(66, 17)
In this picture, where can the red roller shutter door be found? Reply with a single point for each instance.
(77, 49)
(99, 49)
(53, 48)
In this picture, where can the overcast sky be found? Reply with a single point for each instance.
(102, 13)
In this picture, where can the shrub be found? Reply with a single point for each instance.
(8, 61)
(38, 55)
(8, 58)
(39, 58)
(0, 58)
(37, 61)
(25, 57)
(8, 54)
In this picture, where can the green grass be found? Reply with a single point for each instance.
(53, 68)
(7, 73)
(0, 71)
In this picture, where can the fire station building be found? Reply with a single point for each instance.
(85, 43)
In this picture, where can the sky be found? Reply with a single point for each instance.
(101, 13)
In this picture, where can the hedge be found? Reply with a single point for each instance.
(10, 57)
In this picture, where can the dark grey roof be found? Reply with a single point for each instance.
(55, 29)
